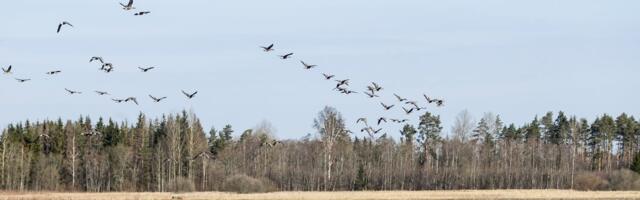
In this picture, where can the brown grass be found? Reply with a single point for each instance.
(383, 195)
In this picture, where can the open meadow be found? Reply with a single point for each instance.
(383, 195)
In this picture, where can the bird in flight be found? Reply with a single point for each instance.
(129, 6)
(375, 87)
(62, 24)
(409, 111)
(371, 95)
(438, 102)
(54, 72)
(307, 66)
(362, 119)
(107, 67)
(342, 82)
(415, 104)
(382, 119)
(118, 100)
(156, 99)
(399, 120)
(386, 107)
(399, 98)
(96, 58)
(268, 48)
(22, 80)
(286, 56)
(190, 96)
(146, 69)
(7, 70)
(101, 93)
(132, 99)
(72, 92)
(142, 13)
(327, 76)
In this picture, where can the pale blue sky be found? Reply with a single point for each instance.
(514, 58)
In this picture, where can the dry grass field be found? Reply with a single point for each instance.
(391, 195)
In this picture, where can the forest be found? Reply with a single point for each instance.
(175, 153)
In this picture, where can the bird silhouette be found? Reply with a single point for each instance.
(22, 80)
(146, 69)
(142, 13)
(7, 70)
(54, 72)
(415, 104)
(327, 76)
(96, 58)
(399, 120)
(190, 95)
(62, 24)
(268, 48)
(409, 111)
(132, 99)
(107, 67)
(382, 119)
(286, 56)
(157, 99)
(371, 95)
(362, 119)
(343, 82)
(307, 66)
(118, 100)
(376, 87)
(399, 98)
(438, 102)
(386, 107)
(101, 93)
(129, 5)
(71, 92)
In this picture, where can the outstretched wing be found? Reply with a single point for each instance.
(59, 27)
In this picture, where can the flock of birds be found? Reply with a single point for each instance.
(342, 85)
(372, 91)
(107, 67)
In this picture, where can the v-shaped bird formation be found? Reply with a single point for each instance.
(105, 66)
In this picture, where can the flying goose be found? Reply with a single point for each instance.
(399, 120)
(190, 96)
(146, 69)
(399, 98)
(362, 119)
(343, 82)
(101, 93)
(307, 66)
(54, 72)
(407, 111)
(7, 70)
(22, 80)
(347, 92)
(106, 66)
(386, 107)
(62, 24)
(377, 131)
(268, 48)
(371, 95)
(327, 76)
(438, 102)
(415, 104)
(129, 6)
(118, 100)
(142, 13)
(286, 56)
(132, 99)
(98, 58)
(273, 143)
(157, 99)
(382, 119)
(72, 92)
(376, 87)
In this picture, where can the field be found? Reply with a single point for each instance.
(391, 195)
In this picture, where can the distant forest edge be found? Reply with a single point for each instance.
(174, 153)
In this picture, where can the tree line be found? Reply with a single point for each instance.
(550, 152)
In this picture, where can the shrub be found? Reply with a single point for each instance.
(241, 183)
(624, 180)
(590, 181)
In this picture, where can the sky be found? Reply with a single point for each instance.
(517, 59)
